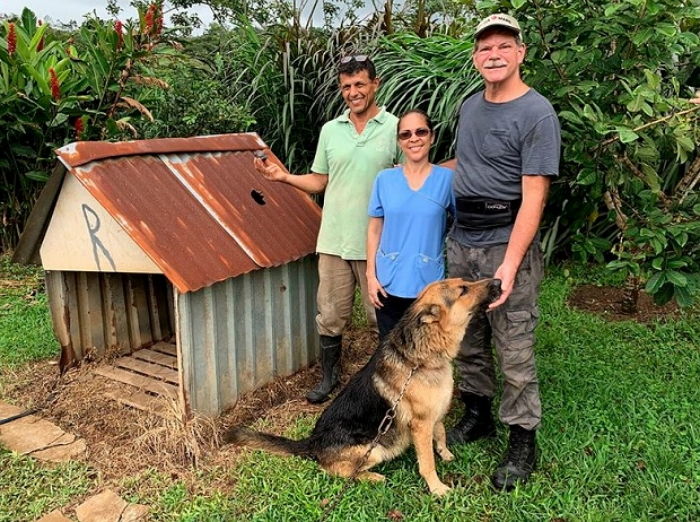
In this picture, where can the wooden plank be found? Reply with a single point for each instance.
(143, 401)
(168, 348)
(152, 300)
(156, 357)
(151, 370)
(145, 383)
(27, 250)
(70, 281)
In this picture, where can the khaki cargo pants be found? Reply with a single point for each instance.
(511, 327)
(337, 279)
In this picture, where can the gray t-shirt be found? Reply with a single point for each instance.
(497, 144)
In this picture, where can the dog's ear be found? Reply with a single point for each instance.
(431, 314)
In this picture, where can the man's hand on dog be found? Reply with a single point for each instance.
(269, 170)
(373, 290)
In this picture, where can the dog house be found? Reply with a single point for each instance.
(178, 256)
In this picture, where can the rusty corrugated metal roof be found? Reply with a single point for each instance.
(197, 206)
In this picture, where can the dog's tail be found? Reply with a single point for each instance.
(241, 436)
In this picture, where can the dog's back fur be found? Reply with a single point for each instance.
(426, 338)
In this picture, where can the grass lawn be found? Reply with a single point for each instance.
(25, 323)
(620, 440)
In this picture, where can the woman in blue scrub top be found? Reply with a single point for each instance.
(408, 213)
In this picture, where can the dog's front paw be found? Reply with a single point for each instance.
(439, 489)
(446, 455)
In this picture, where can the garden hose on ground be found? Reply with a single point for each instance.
(49, 399)
(25, 413)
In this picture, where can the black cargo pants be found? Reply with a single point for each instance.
(511, 327)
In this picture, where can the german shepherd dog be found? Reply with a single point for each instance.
(426, 339)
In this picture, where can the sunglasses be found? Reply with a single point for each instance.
(356, 57)
(421, 132)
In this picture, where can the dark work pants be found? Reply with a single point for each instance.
(389, 314)
(511, 327)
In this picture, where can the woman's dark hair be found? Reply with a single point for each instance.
(428, 121)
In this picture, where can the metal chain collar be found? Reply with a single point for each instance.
(383, 428)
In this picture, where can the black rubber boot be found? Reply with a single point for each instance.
(519, 461)
(330, 368)
(476, 422)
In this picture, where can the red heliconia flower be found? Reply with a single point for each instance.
(11, 38)
(118, 27)
(79, 127)
(154, 20)
(150, 14)
(55, 87)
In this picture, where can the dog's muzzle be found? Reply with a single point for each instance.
(494, 290)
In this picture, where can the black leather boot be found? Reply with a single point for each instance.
(519, 461)
(476, 422)
(330, 369)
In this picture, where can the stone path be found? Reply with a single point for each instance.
(37, 437)
(44, 440)
(104, 507)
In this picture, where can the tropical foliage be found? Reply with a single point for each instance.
(56, 88)
(618, 73)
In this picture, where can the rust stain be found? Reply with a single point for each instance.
(82, 152)
(197, 206)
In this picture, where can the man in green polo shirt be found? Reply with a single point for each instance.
(351, 150)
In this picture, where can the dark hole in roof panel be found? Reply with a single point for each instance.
(283, 229)
(166, 220)
(258, 197)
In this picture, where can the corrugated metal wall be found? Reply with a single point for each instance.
(97, 311)
(240, 333)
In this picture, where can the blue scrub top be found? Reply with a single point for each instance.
(410, 255)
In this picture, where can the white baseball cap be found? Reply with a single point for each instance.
(497, 20)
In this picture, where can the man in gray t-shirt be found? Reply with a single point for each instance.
(508, 147)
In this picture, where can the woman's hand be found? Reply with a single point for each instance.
(374, 289)
(269, 170)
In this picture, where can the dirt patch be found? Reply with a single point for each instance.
(606, 301)
(124, 442)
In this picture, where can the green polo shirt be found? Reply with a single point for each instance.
(351, 161)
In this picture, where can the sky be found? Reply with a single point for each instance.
(67, 10)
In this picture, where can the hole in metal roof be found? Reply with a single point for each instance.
(258, 197)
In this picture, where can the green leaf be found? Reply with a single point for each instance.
(635, 105)
(677, 263)
(657, 263)
(676, 278)
(617, 265)
(655, 282)
(23, 151)
(664, 294)
(653, 79)
(683, 296)
(627, 135)
(589, 113)
(570, 116)
(613, 8)
(686, 143)
(517, 4)
(37, 175)
(559, 56)
(666, 29)
(60, 119)
(29, 21)
(587, 177)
